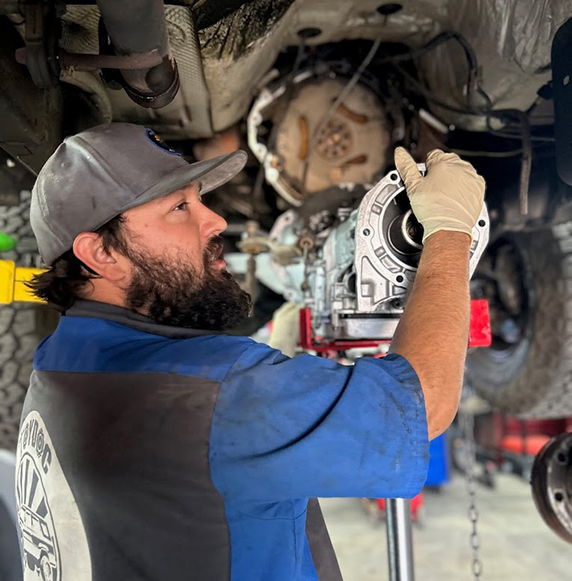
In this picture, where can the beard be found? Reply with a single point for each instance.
(173, 292)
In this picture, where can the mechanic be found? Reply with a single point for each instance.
(153, 445)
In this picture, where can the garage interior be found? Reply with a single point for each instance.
(514, 542)
(319, 94)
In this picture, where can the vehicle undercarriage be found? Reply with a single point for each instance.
(320, 94)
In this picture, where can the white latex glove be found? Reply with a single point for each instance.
(285, 334)
(449, 197)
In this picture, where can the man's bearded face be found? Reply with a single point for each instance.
(173, 292)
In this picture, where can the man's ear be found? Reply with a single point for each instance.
(89, 249)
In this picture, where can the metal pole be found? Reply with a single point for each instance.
(399, 539)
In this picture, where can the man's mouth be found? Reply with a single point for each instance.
(215, 251)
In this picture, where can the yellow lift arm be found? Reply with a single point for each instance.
(12, 279)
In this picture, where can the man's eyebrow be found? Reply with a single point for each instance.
(179, 194)
(170, 198)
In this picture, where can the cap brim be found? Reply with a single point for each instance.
(212, 173)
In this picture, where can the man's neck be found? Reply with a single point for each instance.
(102, 292)
(120, 314)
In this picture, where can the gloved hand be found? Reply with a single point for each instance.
(450, 197)
(285, 334)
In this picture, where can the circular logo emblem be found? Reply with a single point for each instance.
(53, 539)
(158, 142)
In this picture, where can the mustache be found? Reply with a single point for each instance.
(214, 249)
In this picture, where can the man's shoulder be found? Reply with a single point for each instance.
(97, 345)
(209, 356)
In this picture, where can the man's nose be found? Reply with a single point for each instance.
(213, 224)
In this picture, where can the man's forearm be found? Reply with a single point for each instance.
(434, 330)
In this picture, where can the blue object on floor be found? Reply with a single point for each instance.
(438, 473)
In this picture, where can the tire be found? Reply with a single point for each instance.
(531, 376)
(22, 326)
(46, 571)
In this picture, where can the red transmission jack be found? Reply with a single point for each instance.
(479, 335)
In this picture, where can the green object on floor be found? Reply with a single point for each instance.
(7, 242)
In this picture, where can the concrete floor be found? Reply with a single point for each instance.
(516, 544)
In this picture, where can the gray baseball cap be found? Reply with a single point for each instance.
(98, 174)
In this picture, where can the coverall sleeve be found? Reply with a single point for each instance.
(293, 428)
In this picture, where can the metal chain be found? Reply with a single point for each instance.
(468, 426)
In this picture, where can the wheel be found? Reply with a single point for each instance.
(46, 570)
(527, 278)
(550, 481)
(22, 326)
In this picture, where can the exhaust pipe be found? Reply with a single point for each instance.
(139, 27)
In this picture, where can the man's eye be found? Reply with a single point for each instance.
(182, 206)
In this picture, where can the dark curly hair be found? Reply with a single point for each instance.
(65, 281)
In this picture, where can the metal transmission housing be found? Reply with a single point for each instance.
(357, 279)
